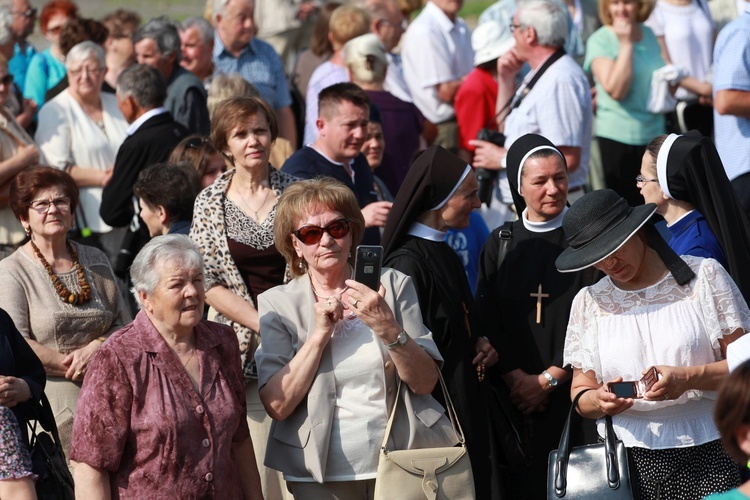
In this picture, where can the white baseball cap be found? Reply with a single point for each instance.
(490, 40)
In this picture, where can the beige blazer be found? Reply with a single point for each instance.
(298, 445)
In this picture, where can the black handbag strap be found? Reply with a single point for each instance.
(563, 451)
(42, 414)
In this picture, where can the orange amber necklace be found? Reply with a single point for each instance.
(65, 294)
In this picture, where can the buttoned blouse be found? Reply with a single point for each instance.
(140, 419)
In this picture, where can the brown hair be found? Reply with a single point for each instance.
(195, 150)
(27, 184)
(80, 30)
(307, 196)
(347, 22)
(644, 10)
(330, 97)
(733, 409)
(653, 149)
(320, 45)
(53, 8)
(230, 113)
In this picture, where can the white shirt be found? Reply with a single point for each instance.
(67, 134)
(688, 32)
(558, 107)
(394, 78)
(435, 50)
(133, 128)
(614, 332)
(324, 76)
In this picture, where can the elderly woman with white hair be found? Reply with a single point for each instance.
(402, 122)
(162, 411)
(80, 130)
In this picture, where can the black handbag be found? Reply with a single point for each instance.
(47, 457)
(590, 472)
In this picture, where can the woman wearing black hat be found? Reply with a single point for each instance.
(653, 309)
(683, 175)
(438, 193)
(524, 303)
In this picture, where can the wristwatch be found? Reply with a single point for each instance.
(552, 380)
(402, 339)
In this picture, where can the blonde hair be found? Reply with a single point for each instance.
(365, 57)
(225, 87)
(347, 22)
(305, 197)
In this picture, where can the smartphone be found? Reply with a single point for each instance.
(367, 265)
(634, 389)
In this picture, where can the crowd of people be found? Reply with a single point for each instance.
(561, 196)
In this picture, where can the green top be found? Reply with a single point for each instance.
(627, 121)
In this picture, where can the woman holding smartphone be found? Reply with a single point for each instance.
(653, 309)
(333, 350)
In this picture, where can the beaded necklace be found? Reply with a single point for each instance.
(66, 295)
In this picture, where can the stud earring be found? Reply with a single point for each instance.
(27, 230)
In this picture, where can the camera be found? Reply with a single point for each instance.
(488, 178)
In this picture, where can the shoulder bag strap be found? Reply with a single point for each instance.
(450, 410)
(506, 234)
(544, 67)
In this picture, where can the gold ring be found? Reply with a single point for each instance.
(79, 373)
(354, 304)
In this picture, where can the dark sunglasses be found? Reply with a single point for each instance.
(310, 235)
(7, 80)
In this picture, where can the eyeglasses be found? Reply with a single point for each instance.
(7, 80)
(42, 206)
(513, 27)
(403, 24)
(75, 73)
(639, 179)
(309, 235)
(30, 12)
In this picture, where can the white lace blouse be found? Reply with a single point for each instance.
(615, 332)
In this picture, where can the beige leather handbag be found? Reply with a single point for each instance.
(427, 473)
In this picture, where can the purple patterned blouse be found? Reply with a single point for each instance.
(140, 418)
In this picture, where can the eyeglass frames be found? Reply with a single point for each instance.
(43, 206)
(639, 179)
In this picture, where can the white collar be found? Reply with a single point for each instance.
(543, 227)
(441, 18)
(426, 232)
(133, 128)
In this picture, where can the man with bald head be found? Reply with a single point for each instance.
(387, 21)
(237, 50)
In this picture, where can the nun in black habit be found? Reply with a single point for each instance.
(689, 169)
(524, 303)
(438, 193)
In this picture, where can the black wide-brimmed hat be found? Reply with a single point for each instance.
(596, 226)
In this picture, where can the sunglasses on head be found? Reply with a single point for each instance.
(310, 235)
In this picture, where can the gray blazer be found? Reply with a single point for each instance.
(298, 445)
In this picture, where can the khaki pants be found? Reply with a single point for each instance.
(271, 481)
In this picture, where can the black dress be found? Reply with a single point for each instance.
(448, 310)
(509, 317)
(17, 359)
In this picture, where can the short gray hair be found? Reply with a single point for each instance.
(176, 248)
(204, 27)
(83, 51)
(220, 6)
(548, 19)
(164, 32)
(6, 22)
(143, 83)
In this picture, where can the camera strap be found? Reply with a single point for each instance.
(517, 97)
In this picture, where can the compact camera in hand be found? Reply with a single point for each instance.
(488, 178)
